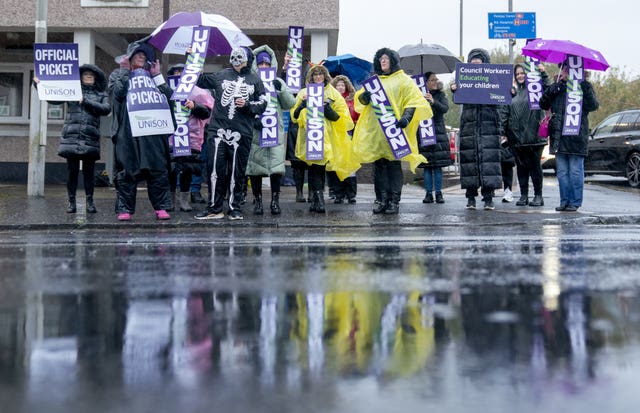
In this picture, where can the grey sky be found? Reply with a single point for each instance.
(608, 26)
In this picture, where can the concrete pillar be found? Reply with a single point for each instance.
(319, 46)
(86, 46)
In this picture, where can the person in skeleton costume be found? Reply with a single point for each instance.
(239, 96)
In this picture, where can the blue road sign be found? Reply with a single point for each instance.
(512, 25)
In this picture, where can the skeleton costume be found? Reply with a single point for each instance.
(231, 129)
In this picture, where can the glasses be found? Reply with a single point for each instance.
(383, 59)
(432, 80)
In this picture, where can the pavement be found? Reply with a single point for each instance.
(603, 204)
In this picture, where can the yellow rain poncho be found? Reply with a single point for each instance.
(369, 141)
(338, 150)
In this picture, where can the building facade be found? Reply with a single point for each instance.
(103, 29)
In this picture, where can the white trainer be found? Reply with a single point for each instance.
(507, 196)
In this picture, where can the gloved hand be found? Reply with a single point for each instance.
(296, 113)
(257, 124)
(402, 122)
(365, 97)
(154, 68)
(406, 117)
(329, 113)
(277, 85)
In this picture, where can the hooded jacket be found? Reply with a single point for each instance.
(438, 155)
(228, 84)
(268, 161)
(519, 123)
(480, 131)
(369, 140)
(347, 95)
(338, 152)
(81, 131)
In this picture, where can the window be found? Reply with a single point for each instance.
(627, 122)
(606, 126)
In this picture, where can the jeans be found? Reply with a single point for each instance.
(570, 173)
(433, 176)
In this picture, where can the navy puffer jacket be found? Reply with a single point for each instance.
(81, 131)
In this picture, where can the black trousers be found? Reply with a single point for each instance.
(229, 171)
(528, 166)
(88, 175)
(387, 179)
(317, 177)
(127, 188)
(256, 184)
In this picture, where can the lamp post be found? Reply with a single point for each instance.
(461, 19)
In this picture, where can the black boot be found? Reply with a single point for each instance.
(298, 178)
(314, 203)
(524, 200)
(71, 208)
(537, 201)
(275, 203)
(380, 205)
(91, 207)
(319, 197)
(394, 205)
(428, 198)
(258, 209)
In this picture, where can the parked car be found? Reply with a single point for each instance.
(614, 147)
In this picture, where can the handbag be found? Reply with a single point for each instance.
(543, 129)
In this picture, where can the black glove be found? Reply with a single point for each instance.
(277, 85)
(329, 113)
(296, 113)
(365, 97)
(257, 124)
(406, 118)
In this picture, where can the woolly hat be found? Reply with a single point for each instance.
(263, 57)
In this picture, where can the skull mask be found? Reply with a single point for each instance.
(238, 57)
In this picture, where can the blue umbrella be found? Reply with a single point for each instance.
(354, 68)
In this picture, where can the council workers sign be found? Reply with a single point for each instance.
(149, 112)
(56, 65)
(483, 83)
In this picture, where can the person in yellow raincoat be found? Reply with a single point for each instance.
(338, 152)
(369, 141)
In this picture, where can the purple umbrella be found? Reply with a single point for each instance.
(556, 51)
(174, 36)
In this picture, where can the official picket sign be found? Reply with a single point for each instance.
(269, 118)
(426, 131)
(57, 67)
(484, 83)
(573, 105)
(315, 121)
(149, 112)
(294, 49)
(386, 118)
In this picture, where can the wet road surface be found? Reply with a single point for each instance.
(456, 319)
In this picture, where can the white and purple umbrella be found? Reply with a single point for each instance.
(556, 51)
(174, 36)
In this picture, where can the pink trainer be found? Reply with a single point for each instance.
(162, 214)
(124, 216)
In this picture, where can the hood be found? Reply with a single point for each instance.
(101, 80)
(264, 48)
(350, 89)
(145, 48)
(312, 68)
(393, 56)
(481, 53)
(515, 67)
(177, 66)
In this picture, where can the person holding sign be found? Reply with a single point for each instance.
(140, 103)
(323, 143)
(480, 132)
(80, 139)
(570, 100)
(266, 157)
(438, 152)
(391, 107)
(239, 97)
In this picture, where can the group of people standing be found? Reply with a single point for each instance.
(225, 126)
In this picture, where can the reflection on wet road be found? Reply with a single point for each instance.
(342, 321)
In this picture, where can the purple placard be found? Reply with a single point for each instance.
(387, 119)
(57, 67)
(269, 118)
(533, 81)
(179, 141)
(488, 84)
(294, 67)
(421, 82)
(195, 63)
(573, 108)
(315, 121)
(149, 112)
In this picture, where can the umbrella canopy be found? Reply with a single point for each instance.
(556, 51)
(354, 68)
(174, 36)
(418, 58)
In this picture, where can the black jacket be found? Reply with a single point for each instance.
(554, 98)
(81, 131)
(438, 155)
(227, 84)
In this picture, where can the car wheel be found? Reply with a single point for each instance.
(633, 170)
